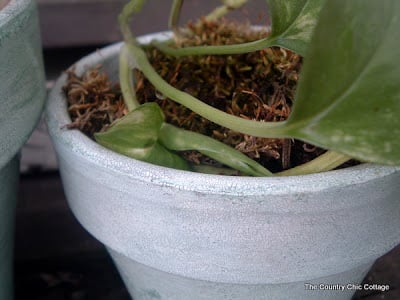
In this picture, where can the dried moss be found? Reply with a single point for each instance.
(93, 101)
(259, 85)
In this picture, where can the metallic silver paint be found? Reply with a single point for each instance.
(182, 235)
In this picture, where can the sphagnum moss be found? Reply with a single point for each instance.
(258, 85)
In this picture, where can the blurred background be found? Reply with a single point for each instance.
(55, 258)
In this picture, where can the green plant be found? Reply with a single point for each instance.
(347, 99)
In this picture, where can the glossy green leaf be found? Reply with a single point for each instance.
(177, 139)
(143, 135)
(293, 22)
(136, 136)
(348, 97)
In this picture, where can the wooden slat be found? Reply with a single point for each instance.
(66, 23)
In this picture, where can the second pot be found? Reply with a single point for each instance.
(22, 95)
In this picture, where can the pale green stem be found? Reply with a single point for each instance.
(256, 128)
(177, 139)
(325, 162)
(134, 6)
(216, 50)
(261, 129)
(175, 12)
(125, 78)
(218, 12)
(222, 10)
(213, 50)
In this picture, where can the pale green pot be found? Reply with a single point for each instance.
(22, 95)
(177, 235)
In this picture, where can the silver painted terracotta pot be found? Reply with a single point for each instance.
(182, 235)
(22, 95)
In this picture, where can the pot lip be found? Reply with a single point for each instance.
(11, 9)
(86, 149)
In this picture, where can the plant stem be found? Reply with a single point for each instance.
(218, 12)
(178, 139)
(325, 162)
(175, 12)
(125, 78)
(216, 50)
(256, 128)
(134, 6)
(222, 10)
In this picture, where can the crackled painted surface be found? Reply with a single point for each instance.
(22, 95)
(182, 235)
(22, 84)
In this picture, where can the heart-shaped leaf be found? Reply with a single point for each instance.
(348, 97)
(293, 22)
(143, 135)
(136, 136)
